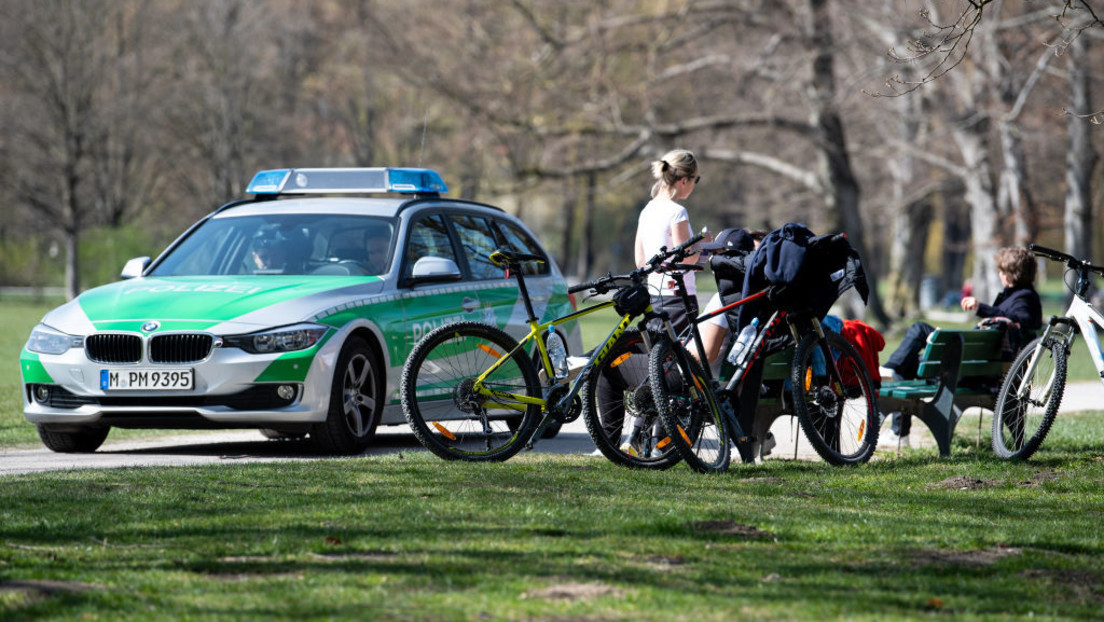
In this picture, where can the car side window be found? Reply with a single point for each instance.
(478, 239)
(521, 242)
(428, 238)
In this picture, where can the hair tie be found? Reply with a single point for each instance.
(665, 165)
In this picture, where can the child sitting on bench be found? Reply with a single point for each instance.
(1017, 306)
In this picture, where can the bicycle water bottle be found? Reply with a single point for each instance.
(557, 353)
(743, 342)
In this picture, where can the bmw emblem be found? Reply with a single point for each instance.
(151, 326)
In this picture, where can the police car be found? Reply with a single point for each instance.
(291, 312)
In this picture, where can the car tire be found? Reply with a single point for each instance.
(84, 440)
(356, 401)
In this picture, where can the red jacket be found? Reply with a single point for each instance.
(869, 342)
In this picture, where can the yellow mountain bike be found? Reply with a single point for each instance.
(472, 392)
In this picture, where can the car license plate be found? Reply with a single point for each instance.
(147, 379)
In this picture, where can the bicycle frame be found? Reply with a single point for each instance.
(562, 404)
(1081, 317)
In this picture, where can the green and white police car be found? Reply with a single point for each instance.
(291, 312)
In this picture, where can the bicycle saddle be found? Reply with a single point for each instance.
(504, 258)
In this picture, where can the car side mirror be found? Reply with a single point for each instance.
(135, 267)
(434, 269)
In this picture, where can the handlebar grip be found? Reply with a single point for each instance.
(600, 285)
(1051, 253)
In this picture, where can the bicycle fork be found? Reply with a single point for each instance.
(1066, 335)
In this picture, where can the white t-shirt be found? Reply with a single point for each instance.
(658, 217)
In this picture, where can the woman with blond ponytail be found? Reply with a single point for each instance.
(664, 222)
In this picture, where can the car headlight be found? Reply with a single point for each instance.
(286, 339)
(46, 340)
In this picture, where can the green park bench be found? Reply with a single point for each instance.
(959, 369)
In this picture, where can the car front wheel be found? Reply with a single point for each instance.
(355, 401)
(84, 440)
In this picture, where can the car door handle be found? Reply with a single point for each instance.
(470, 304)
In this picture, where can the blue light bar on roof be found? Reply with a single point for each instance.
(347, 181)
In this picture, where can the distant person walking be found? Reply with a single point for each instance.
(664, 222)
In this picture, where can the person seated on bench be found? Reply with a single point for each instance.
(1017, 306)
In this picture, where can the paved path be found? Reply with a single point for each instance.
(250, 446)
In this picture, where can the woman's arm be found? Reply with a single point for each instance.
(680, 232)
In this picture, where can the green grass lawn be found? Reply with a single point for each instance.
(19, 317)
(410, 537)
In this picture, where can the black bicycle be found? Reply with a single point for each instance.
(831, 391)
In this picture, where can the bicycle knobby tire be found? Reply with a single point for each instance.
(619, 409)
(1021, 424)
(687, 406)
(446, 415)
(834, 400)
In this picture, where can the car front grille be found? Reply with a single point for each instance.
(174, 349)
(180, 348)
(113, 348)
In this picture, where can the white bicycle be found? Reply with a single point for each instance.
(1032, 389)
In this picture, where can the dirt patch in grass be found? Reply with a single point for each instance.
(1039, 479)
(574, 592)
(963, 482)
(982, 557)
(730, 528)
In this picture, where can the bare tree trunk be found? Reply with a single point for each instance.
(1080, 157)
(842, 192)
(586, 248)
(1013, 199)
(972, 137)
(568, 208)
(910, 219)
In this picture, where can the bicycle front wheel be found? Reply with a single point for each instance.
(447, 415)
(834, 400)
(687, 406)
(619, 409)
(1027, 404)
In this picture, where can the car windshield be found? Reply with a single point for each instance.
(333, 244)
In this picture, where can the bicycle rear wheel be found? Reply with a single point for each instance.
(1022, 421)
(444, 411)
(688, 408)
(619, 409)
(834, 400)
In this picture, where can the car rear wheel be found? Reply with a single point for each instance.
(84, 440)
(355, 401)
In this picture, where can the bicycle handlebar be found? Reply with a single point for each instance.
(1065, 258)
(603, 284)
